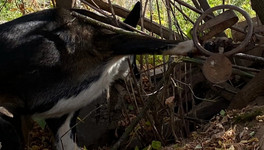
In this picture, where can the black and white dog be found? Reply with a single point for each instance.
(52, 64)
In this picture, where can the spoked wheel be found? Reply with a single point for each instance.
(217, 67)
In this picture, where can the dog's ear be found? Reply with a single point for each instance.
(134, 16)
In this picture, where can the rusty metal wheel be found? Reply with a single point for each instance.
(239, 48)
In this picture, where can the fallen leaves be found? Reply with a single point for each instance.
(224, 132)
(39, 138)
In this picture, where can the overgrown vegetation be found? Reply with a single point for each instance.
(182, 98)
(11, 9)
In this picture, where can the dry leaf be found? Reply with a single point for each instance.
(170, 101)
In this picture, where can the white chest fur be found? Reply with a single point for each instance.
(65, 106)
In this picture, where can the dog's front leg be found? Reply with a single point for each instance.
(11, 109)
(64, 131)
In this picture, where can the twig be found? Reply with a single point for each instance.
(119, 11)
(155, 129)
(133, 29)
(189, 86)
(192, 97)
(246, 68)
(196, 4)
(249, 57)
(144, 10)
(161, 33)
(134, 122)
(3, 5)
(135, 81)
(224, 88)
(184, 15)
(189, 6)
(142, 15)
(169, 18)
(53, 3)
(111, 18)
(85, 117)
(157, 66)
(243, 73)
(152, 97)
(147, 65)
(101, 24)
(113, 12)
(147, 56)
(176, 24)
(161, 36)
(133, 93)
(195, 119)
(150, 15)
(95, 7)
(172, 123)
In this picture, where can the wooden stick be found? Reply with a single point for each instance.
(134, 123)
(249, 57)
(112, 11)
(151, 99)
(101, 24)
(122, 12)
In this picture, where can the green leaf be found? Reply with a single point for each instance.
(147, 148)
(156, 145)
(147, 123)
(130, 107)
(80, 119)
(222, 113)
(41, 122)
(198, 146)
(84, 147)
(252, 133)
(136, 148)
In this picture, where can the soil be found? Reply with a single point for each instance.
(104, 125)
(229, 130)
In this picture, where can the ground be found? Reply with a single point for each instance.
(228, 130)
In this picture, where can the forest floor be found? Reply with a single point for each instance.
(227, 130)
(231, 130)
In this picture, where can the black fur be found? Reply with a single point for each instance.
(49, 56)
